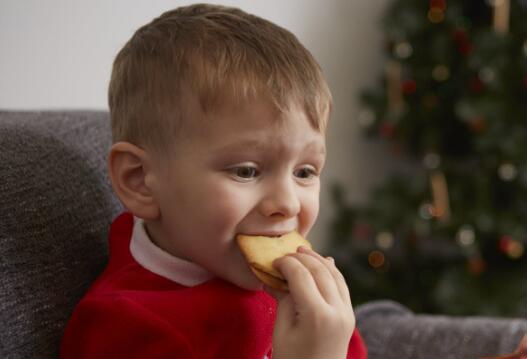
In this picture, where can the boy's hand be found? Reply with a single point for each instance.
(315, 320)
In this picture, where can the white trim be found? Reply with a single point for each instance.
(158, 261)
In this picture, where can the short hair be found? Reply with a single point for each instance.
(209, 50)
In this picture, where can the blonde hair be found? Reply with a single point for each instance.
(209, 50)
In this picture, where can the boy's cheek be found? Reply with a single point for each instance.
(309, 213)
(221, 214)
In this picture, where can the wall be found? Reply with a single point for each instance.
(57, 54)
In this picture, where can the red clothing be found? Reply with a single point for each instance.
(131, 312)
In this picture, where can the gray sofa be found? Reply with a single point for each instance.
(55, 208)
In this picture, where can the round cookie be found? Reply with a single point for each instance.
(261, 251)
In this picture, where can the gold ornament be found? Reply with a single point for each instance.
(436, 15)
(403, 50)
(501, 15)
(507, 172)
(440, 196)
(376, 259)
(476, 265)
(466, 236)
(384, 240)
(441, 73)
(515, 250)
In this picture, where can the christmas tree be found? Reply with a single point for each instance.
(448, 235)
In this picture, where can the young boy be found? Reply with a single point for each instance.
(218, 122)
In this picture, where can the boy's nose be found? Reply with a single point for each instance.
(281, 201)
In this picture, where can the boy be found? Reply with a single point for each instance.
(218, 122)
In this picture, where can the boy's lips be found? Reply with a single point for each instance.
(267, 233)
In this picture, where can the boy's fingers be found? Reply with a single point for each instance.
(322, 276)
(338, 277)
(302, 286)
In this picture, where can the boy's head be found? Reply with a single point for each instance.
(218, 121)
(214, 53)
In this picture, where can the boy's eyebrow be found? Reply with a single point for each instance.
(252, 144)
(314, 146)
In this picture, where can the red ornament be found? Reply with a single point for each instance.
(464, 46)
(476, 85)
(504, 244)
(362, 231)
(409, 86)
(387, 130)
(438, 4)
(477, 124)
(476, 265)
(460, 35)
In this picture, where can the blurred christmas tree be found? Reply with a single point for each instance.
(450, 236)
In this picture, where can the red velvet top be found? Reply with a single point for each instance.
(130, 312)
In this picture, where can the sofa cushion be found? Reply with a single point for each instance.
(55, 208)
(391, 331)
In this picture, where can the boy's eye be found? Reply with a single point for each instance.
(245, 172)
(305, 172)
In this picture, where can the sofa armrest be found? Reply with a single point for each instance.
(391, 330)
(56, 205)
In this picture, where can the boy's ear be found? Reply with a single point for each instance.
(128, 167)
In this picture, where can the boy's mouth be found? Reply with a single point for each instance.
(271, 234)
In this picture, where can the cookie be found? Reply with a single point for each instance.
(261, 251)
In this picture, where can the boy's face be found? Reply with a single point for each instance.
(236, 170)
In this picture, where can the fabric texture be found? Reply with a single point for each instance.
(55, 208)
(391, 331)
(131, 312)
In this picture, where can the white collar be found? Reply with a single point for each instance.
(160, 262)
